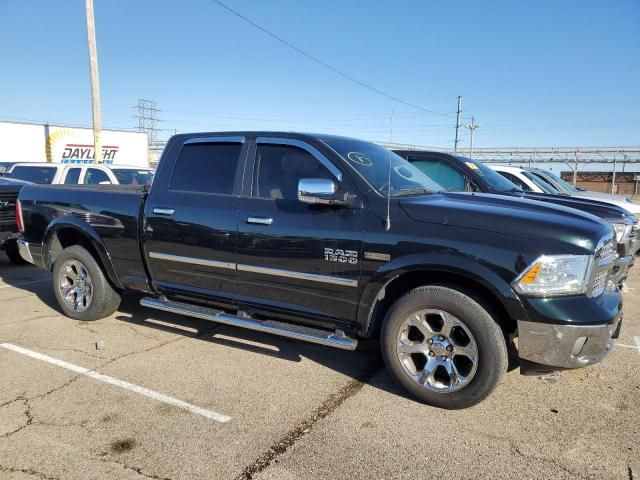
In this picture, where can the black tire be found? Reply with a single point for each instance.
(104, 298)
(14, 255)
(491, 360)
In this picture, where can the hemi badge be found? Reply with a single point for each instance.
(385, 257)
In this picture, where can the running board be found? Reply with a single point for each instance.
(298, 332)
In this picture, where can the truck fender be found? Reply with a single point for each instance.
(458, 265)
(89, 233)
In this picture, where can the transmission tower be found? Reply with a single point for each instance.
(148, 119)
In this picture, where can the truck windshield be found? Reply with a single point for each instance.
(382, 169)
(544, 186)
(34, 173)
(128, 176)
(496, 181)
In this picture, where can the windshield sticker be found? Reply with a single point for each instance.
(360, 159)
(472, 165)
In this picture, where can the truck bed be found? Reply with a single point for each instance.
(108, 212)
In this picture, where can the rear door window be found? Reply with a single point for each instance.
(95, 176)
(34, 173)
(206, 168)
(515, 180)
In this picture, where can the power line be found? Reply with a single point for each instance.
(326, 65)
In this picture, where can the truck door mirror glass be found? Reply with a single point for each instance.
(320, 191)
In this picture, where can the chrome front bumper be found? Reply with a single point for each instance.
(565, 346)
(25, 250)
(621, 269)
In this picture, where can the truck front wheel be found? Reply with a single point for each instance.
(80, 287)
(443, 347)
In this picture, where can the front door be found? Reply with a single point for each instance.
(191, 220)
(294, 256)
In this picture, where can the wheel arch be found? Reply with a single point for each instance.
(480, 283)
(64, 232)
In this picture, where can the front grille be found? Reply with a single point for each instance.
(8, 209)
(599, 283)
(607, 253)
(602, 267)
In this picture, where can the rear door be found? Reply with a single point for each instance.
(191, 219)
(292, 256)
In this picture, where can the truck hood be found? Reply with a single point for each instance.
(607, 211)
(576, 231)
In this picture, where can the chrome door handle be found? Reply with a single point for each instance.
(163, 211)
(260, 220)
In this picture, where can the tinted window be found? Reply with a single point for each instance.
(34, 174)
(449, 177)
(542, 184)
(72, 177)
(279, 168)
(128, 176)
(559, 181)
(95, 176)
(496, 181)
(206, 168)
(515, 180)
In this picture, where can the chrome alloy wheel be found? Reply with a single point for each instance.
(74, 283)
(437, 350)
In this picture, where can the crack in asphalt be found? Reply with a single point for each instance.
(552, 461)
(137, 470)
(27, 400)
(328, 406)
(27, 413)
(27, 471)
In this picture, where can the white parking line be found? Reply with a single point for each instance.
(19, 284)
(218, 417)
(634, 347)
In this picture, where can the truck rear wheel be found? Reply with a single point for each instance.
(80, 287)
(443, 347)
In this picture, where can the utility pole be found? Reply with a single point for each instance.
(95, 82)
(472, 126)
(457, 140)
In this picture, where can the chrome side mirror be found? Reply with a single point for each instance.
(321, 191)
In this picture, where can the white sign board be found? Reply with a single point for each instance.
(22, 142)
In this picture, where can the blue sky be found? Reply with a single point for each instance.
(544, 73)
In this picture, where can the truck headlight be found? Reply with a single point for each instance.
(552, 275)
(622, 231)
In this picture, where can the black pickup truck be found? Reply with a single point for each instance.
(458, 173)
(9, 190)
(329, 239)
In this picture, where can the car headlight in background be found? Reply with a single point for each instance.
(622, 230)
(552, 275)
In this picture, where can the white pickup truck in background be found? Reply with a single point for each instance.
(74, 174)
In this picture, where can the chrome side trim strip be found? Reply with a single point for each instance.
(305, 146)
(192, 260)
(314, 277)
(215, 140)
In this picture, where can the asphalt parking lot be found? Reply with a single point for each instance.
(169, 397)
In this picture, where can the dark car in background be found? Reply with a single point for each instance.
(9, 190)
(457, 173)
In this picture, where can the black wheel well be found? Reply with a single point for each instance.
(408, 281)
(66, 237)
